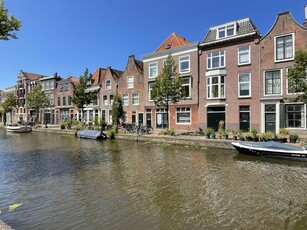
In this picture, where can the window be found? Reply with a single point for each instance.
(43, 86)
(244, 55)
(216, 87)
(244, 118)
(272, 82)
(51, 98)
(244, 85)
(59, 101)
(64, 101)
(125, 99)
(184, 64)
(61, 87)
(183, 115)
(69, 100)
(150, 85)
(135, 99)
(66, 87)
(186, 87)
(51, 84)
(216, 60)
(295, 116)
(226, 31)
(284, 48)
(104, 99)
(130, 82)
(111, 99)
(108, 84)
(153, 69)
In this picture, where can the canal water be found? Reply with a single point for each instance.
(54, 181)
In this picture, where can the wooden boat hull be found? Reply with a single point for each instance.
(19, 129)
(271, 149)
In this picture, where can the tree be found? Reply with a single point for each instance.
(80, 97)
(167, 87)
(297, 76)
(8, 24)
(9, 104)
(37, 99)
(117, 110)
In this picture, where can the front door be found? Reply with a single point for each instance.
(270, 118)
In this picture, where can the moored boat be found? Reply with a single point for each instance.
(271, 149)
(91, 134)
(18, 128)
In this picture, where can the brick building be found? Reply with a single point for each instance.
(229, 76)
(131, 90)
(183, 115)
(277, 52)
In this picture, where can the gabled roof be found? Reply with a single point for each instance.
(31, 76)
(174, 40)
(138, 65)
(98, 75)
(74, 80)
(115, 73)
(243, 27)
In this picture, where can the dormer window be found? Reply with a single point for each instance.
(226, 31)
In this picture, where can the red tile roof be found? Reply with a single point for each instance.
(174, 40)
(98, 75)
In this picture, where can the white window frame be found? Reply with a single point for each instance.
(220, 84)
(303, 116)
(264, 83)
(151, 67)
(105, 99)
(275, 48)
(226, 29)
(135, 99)
(125, 99)
(244, 52)
(220, 55)
(187, 84)
(108, 84)
(130, 82)
(240, 83)
(150, 84)
(184, 59)
(180, 110)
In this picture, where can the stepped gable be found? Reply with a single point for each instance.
(243, 27)
(174, 40)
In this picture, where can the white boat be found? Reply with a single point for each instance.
(271, 149)
(18, 128)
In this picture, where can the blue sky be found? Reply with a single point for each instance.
(67, 36)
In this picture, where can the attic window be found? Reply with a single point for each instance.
(168, 46)
(226, 31)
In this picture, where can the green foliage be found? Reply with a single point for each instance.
(112, 132)
(117, 110)
(37, 99)
(63, 125)
(80, 97)
(283, 132)
(9, 103)
(167, 87)
(8, 24)
(297, 76)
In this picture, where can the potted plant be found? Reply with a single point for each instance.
(225, 134)
(212, 135)
(293, 138)
(283, 132)
(240, 135)
(234, 134)
(268, 136)
(207, 132)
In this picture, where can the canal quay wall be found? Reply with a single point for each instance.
(193, 140)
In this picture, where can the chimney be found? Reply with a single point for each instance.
(305, 22)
